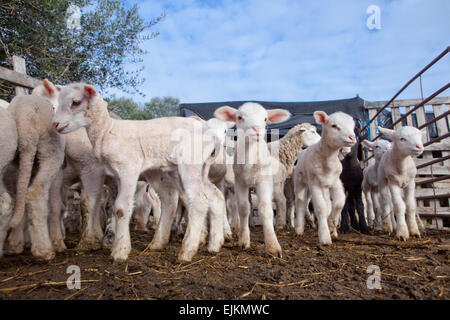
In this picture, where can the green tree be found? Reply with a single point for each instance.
(126, 108)
(109, 37)
(162, 107)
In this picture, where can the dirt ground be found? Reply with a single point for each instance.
(417, 269)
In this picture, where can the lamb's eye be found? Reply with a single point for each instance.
(335, 127)
(239, 118)
(377, 147)
(402, 139)
(265, 119)
(76, 103)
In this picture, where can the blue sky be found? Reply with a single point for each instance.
(292, 50)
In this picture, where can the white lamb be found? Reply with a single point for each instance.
(8, 147)
(129, 148)
(165, 184)
(37, 143)
(286, 150)
(253, 167)
(317, 172)
(396, 174)
(370, 182)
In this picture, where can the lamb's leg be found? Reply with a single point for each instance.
(264, 192)
(345, 227)
(176, 228)
(402, 232)
(156, 207)
(197, 207)
(123, 209)
(226, 226)
(37, 205)
(369, 207)
(338, 195)
(232, 211)
(360, 209)
(280, 200)
(91, 232)
(321, 211)
(410, 200)
(378, 221)
(385, 208)
(242, 203)
(15, 243)
(169, 203)
(290, 198)
(6, 210)
(351, 210)
(217, 214)
(308, 215)
(301, 205)
(141, 216)
(57, 209)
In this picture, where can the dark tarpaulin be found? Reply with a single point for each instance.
(300, 111)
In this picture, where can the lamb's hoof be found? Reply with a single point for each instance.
(141, 228)
(43, 255)
(364, 229)
(334, 234)
(214, 248)
(275, 251)
(244, 245)
(119, 254)
(415, 234)
(344, 229)
(108, 239)
(59, 246)
(14, 249)
(155, 246)
(87, 245)
(186, 256)
(279, 226)
(299, 231)
(228, 236)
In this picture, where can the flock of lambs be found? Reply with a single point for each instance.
(178, 169)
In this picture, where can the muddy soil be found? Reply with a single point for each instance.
(417, 269)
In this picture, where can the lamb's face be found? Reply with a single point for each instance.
(74, 102)
(409, 141)
(309, 135)
(380, 147)
(338, 128)
(252, 118)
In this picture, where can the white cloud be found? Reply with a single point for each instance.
(292, 50)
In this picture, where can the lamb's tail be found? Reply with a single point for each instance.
(26, 160)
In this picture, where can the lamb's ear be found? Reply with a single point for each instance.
(321, 117)
(368, 144)
(49, 87)
(387, 132)
(226, 113)
(58, 87)
(277, 115)
(90, 91)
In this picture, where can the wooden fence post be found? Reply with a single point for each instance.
(19, 66)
